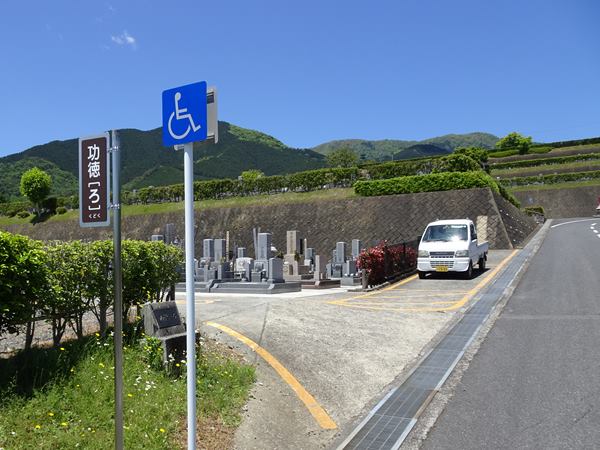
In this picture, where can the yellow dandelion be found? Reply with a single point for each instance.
(97, 334)
(51, 414)
(162, 430)
(129, 395)
(62, 349)
(64, 424)
(177, 364)
(37, 427)
(72, 370)
(101, 365)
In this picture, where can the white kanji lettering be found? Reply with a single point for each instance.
(93, 152)
(94, 169)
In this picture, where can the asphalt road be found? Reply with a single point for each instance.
(345, 349)
(535, 382)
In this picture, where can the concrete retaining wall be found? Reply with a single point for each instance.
(323, 223)
(563, 203)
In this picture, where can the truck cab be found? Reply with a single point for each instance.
(451, 246)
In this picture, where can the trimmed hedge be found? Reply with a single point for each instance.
(430, 183)
(551, 179)
(59, 282)
(546, 161)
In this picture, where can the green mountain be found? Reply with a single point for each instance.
(388, 148)
(145, 161)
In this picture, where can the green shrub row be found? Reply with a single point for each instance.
(551, 179)
(302, 181)
(60, 282)
(545, 161)
(512, 152)
(11, 209)
(432, 182)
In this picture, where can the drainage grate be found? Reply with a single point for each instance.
(391, 420)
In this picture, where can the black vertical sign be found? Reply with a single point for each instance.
(94, 178)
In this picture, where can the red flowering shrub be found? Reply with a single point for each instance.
(386, 261)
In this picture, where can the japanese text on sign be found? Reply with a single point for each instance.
(93, 181)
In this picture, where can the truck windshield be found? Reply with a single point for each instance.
(445, 233)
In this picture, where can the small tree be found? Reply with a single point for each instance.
(36, 185)
(342, 157)
(515, 140)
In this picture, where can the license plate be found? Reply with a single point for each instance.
(441, 269)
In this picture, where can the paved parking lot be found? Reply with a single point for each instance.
(324, 357)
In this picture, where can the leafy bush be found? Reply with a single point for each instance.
(532, 210)
(23, 280)
(64, 280)
(477, 153)
(10, 209)
(456, 163)
(23, 214)
(61, 210)
(384, 261)
(50, 204)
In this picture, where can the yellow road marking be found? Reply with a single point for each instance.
(204, 302)
(309, 401)
(455, 305)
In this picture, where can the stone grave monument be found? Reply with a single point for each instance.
(162, 321)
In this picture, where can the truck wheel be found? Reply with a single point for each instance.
(422, 274)
(482, 263)
(468, 274)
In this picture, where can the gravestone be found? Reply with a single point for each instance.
(220, 251)
(356, 247)
(208, 250)
(340, 252)
(162, 321)
(241, 252)
(275, 270)
(169, 233)
(263, 252)
(157, 238)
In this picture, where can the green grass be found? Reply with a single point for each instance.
(546, 187)
(59, 399)
(160, 208)
(529, 171)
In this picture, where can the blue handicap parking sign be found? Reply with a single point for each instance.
(184, 114)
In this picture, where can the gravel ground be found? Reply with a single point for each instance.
(9, 342)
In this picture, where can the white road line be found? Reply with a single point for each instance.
(572, 221)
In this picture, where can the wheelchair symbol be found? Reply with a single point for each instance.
(181, 114)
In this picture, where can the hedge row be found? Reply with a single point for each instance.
(433, 182)
(512, 152)
(545, 161)
(551, 179)
(60, 282)
(546, 147)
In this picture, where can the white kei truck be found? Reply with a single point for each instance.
(451, 246)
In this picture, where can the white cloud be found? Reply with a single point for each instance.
(124, 39)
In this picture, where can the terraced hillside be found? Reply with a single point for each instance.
(565, 180)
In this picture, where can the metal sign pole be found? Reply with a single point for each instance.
(117, 281)
(190, 315)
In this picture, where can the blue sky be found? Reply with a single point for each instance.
(305, 72)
